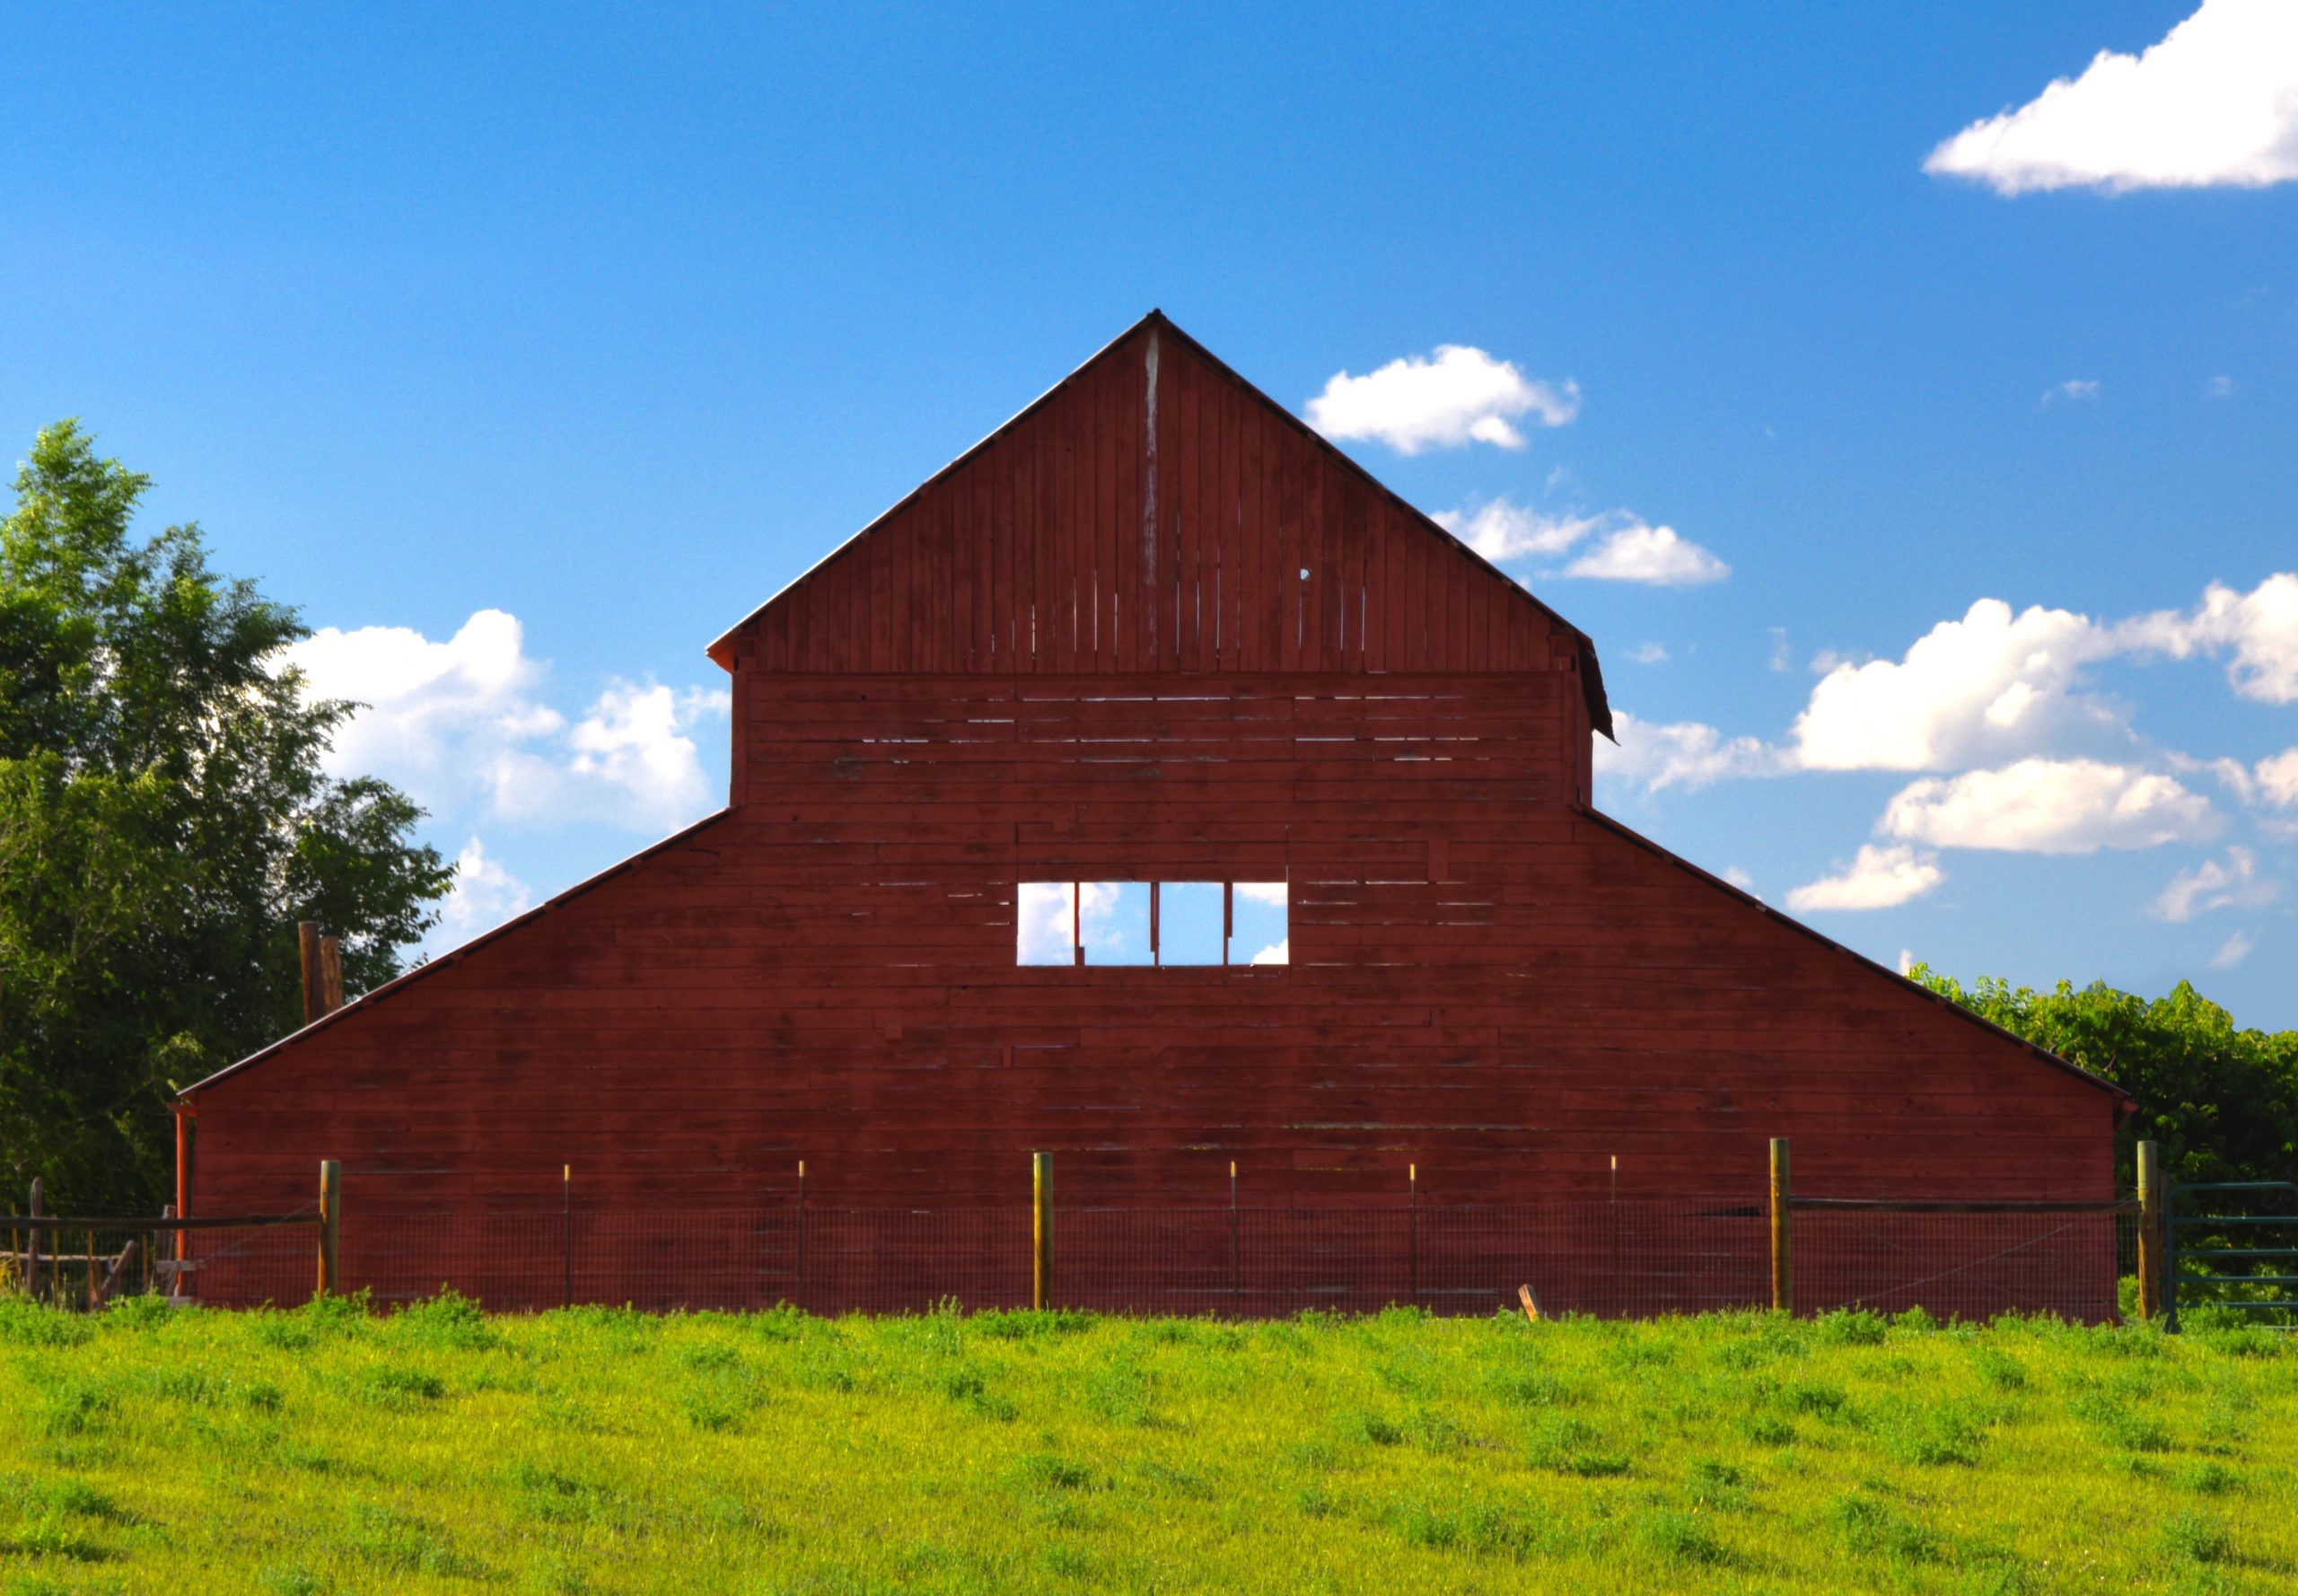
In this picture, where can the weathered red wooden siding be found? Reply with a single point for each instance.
(1027, 671)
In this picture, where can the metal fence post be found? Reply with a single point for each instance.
(1412, 1232)
(1041, 1231)
(330, 1224)
(32, 1261)
(1783, 1232)
(1236, 1248)
(2149, 1231)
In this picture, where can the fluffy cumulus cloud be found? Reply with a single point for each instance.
(2233, 882)
(1615, 544)
(1968, 690)
(1996, 683)
(1457, 396)
(1685, 754)
(2050, 806)
(2233, 951)
(483, 895)
(1878, 877)
(2215, 104)
(461, 724)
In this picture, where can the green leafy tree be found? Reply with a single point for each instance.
(164, 821)
(2222, 1102)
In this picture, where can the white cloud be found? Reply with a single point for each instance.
(1741, 880)
(1988, 685)
(2049, 806)
(1460, 396)
(2233, 951)
(1649, 653)
(1628, 548)
(1280, 952)
(1683, 754)
(484, 895)
(461, 725)
(1781, 659)
(2278, 779)
(1502, 531)
(1269, 892)
(1649, 554)
(1878, 877)
(2215, 104)
(2219, 388)
(1995, 685)
(2260, 626)
(2212, 885)
(1907, 961)
(2074, 388)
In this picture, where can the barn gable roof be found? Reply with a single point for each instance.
(2124, 1103)
(1155, 511)
(367, 1000)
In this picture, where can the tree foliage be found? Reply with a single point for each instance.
(164, 822)
(2222, 1102)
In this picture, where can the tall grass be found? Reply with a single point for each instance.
(326, 1450)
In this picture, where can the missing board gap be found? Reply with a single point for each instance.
(1167, 925)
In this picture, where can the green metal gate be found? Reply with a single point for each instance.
(2238, 1253)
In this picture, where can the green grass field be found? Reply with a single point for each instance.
(439, 1450)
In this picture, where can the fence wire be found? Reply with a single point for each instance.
(1616, 1259)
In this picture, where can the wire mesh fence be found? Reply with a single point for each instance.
(1616, 1259)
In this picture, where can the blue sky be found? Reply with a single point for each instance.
(598, 326)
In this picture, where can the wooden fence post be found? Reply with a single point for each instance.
(2150, 1233)
(1041, 1231)
(330, 1224)
(1783, 1232)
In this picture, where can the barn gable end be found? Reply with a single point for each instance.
(1155, 513)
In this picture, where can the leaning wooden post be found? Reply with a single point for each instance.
(330, 1224)
(1041, 1231)
(330, 974)
(307, 946)
(1783, 1232)
(2150, 1233)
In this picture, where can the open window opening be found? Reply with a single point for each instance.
(1159, 924)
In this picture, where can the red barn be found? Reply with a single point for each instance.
(1151, 630)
